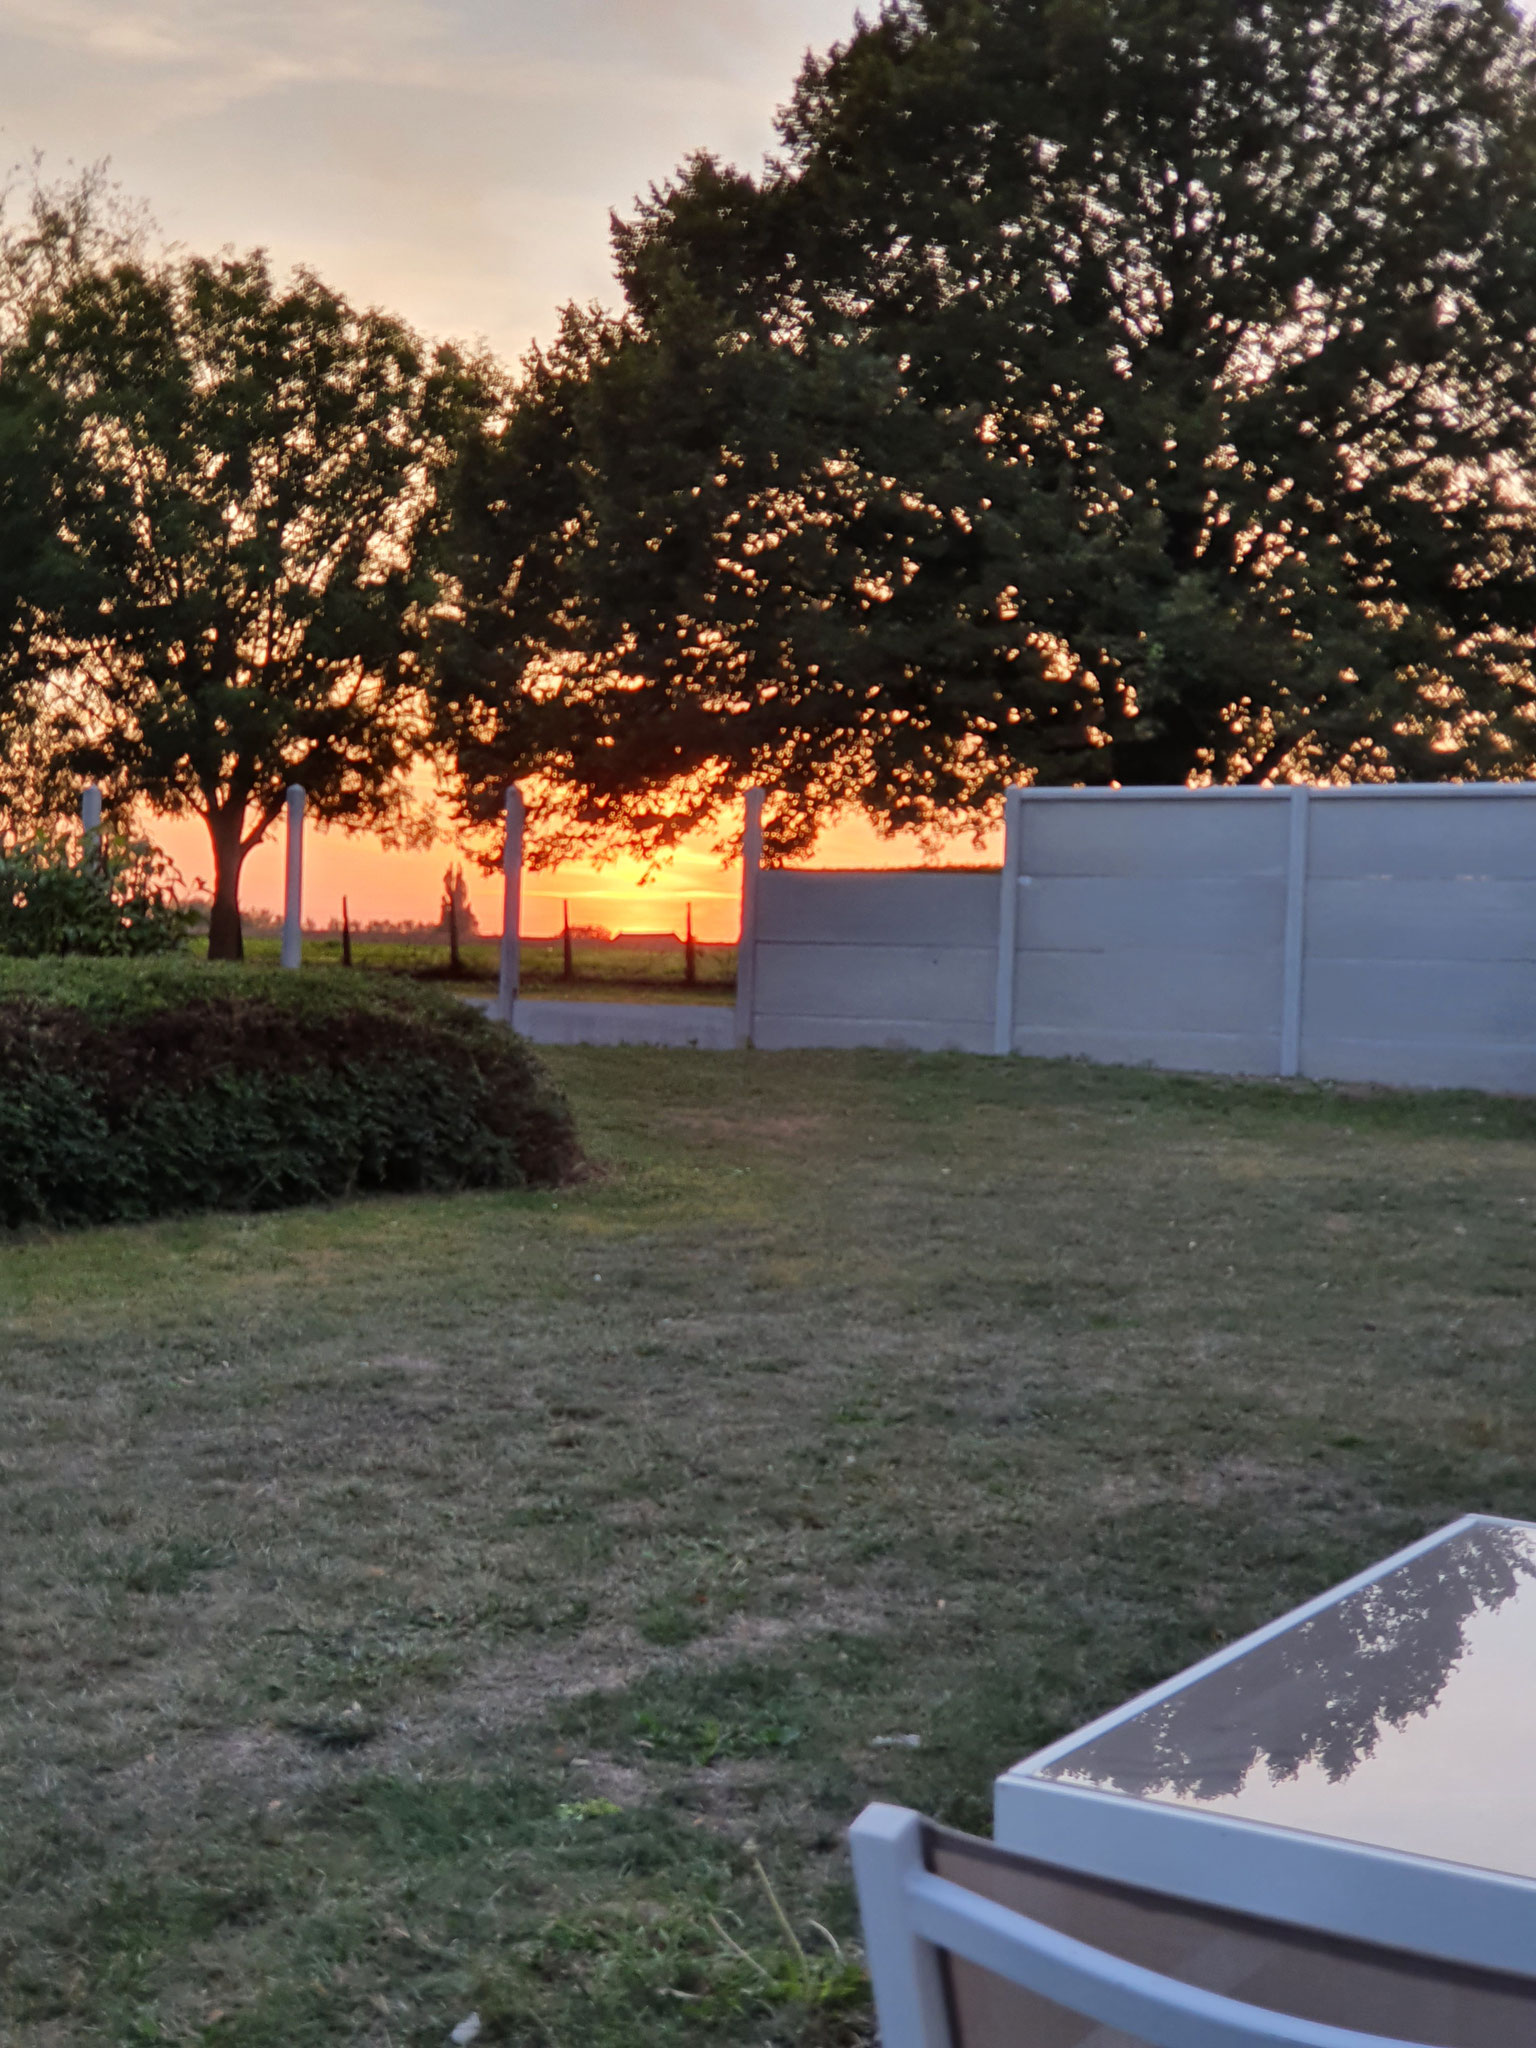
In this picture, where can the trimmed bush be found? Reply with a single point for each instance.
(133, 1089)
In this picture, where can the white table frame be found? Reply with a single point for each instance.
(1450, 1910)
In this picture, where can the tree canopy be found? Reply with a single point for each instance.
(221, 494)
(52, 233)
(1091, 391)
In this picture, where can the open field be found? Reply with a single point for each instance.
(428, 1606)
(604, 972)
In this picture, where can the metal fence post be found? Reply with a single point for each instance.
(746, 950)
(1293, 964)
(293, 894)
(511, 907)
(1008, 921)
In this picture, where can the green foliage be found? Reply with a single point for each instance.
(169, 1568)
(703, 1739)
(686, 1966)
(221, 493)
(132, 1093)
(1092, 390)
(108, 895)
(575, 1811)
(51, 235)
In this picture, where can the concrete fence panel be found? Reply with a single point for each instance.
(1453, 831)
(1421, 938)
(1172, 834)
(1200, 1012)
(1092, 914)
(882, 959)
(1445, 921)
(933, 984)
(870, 908)
(1152, 930)
(701, 1026)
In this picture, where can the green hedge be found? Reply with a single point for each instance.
(133, 1089)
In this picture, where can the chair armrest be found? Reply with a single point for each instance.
(1163, 2011)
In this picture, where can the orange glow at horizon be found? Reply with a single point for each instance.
(382, 886)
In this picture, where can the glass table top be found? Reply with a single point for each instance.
(1402, 1716)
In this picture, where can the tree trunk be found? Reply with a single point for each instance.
(226, 940)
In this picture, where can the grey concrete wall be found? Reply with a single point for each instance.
(1152, 928)
(547, 1021)
(903, 960)
(1420, 958)
(1357, 934)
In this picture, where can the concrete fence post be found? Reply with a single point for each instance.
(1008, 921)
(746, 950)
(511, 907)
(293, 893)
(1293, 966)
(90, 820)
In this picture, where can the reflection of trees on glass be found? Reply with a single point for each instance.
(1322, 1692)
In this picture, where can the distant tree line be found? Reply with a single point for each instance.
(1089, 391)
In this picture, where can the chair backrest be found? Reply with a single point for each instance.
(973, 1947)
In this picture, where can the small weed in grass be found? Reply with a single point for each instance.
(348, 1729)
(671, 1623)
(429, 1821)
(576, 1810)
(705, 1740)
(169, 1568)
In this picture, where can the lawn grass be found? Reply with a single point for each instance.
(604, 972)
(437, 1605)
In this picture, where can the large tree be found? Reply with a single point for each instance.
(1092, 390)
(230, 486)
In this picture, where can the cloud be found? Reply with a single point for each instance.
(229, 47)
(277, 43)
(453, 159)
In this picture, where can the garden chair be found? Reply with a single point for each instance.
(972, 1946)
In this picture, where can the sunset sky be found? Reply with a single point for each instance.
(453, 160)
